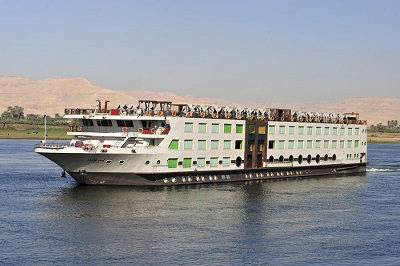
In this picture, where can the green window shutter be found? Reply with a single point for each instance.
(356, 143)
(239, 128)
(174, 145)
(187, 162)
(227, 128)
(172, 162)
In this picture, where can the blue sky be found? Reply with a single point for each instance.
(273, 51)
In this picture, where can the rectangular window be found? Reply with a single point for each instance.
(188, 127)
(282, 129)
(188, 144)
(341, 144)
(291, 129)
(341, 132)
(334, 144)
(318, 130)
(318, 144)
(174, 145)
(214, 144)
(301, 130)
(271, 129)
(326, 144)
(300, 144)
(214, 128)
(125, 123)
(238, 144)
(201, 162)
(239, 128)
(357, 131)
(213, 161)
(349, 142)
(309, 130)
(326, 131)
(227, 128)
(226, 161)
(309, 144)
(271, 144)
(356, 143)
(187, 162)
(334, 131)
(202, 128)
(281, 144)
(104, 123)
(227, 144)
(201, 144)
(291, 144)
(172, 162)
(350, 131)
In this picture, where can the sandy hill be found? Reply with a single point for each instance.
(52, 95)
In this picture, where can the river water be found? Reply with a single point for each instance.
(49, 220)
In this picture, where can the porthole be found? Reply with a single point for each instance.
(121, 162)
(238, 161)
(271, 159)
(334, 157)
(291, 158)
(158, 161)
(326, 157)
(317, 158)
(309, 158)
(281, 159)
(147, 162)
(300, 159)
(108, 162)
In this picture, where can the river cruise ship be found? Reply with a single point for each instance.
(163, 143)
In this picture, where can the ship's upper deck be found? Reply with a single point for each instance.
(151, 109)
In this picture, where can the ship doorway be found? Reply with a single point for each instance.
(255, 143)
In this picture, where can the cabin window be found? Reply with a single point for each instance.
(227, 144)
(227, 128)
(271, 144)
(301, 130)
(309, 144)
(349, 143)
(214, 128)
(187, 162)
(201, 162)
(271, 129)
(318, 130)
(291, 129)
(291, 144)
(318, 144)
(334, 144)
(300, 144)
(334, 131)
(87, 122)
(357, 131)
(188, 144)
(188, 127)
(341, 132)
(174, 145)
(202, 128)
(239, 128)
(341, 144)
(349, 131)
(326, 144)
(201, 144)
(226, 161)
(356, 143)
(309, 130)
(238, 144)
(172, 162)
(281, 144)
(282, 130)
(214, 161)
(104, 123)
(214, 144)
(326, 131)
(125, 123)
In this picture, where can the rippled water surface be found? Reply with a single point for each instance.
(49, 220)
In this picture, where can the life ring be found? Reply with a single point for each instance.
(272, 118)
(124, 129)
(202, 115)
(153, 131)
(79, 128)
(173, 113)
(189, 114)
(301, 119)
(251, 117)
(140, 130)
(148, 112)
(282, 119)
(70, 128)
(350, 122)
(239, 117)
(215, 115)
(261, 118)
(160, 113)
(228, 116)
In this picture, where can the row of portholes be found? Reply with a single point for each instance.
(121, 162)
(300, 158)
(189, 179)
(281, 173)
